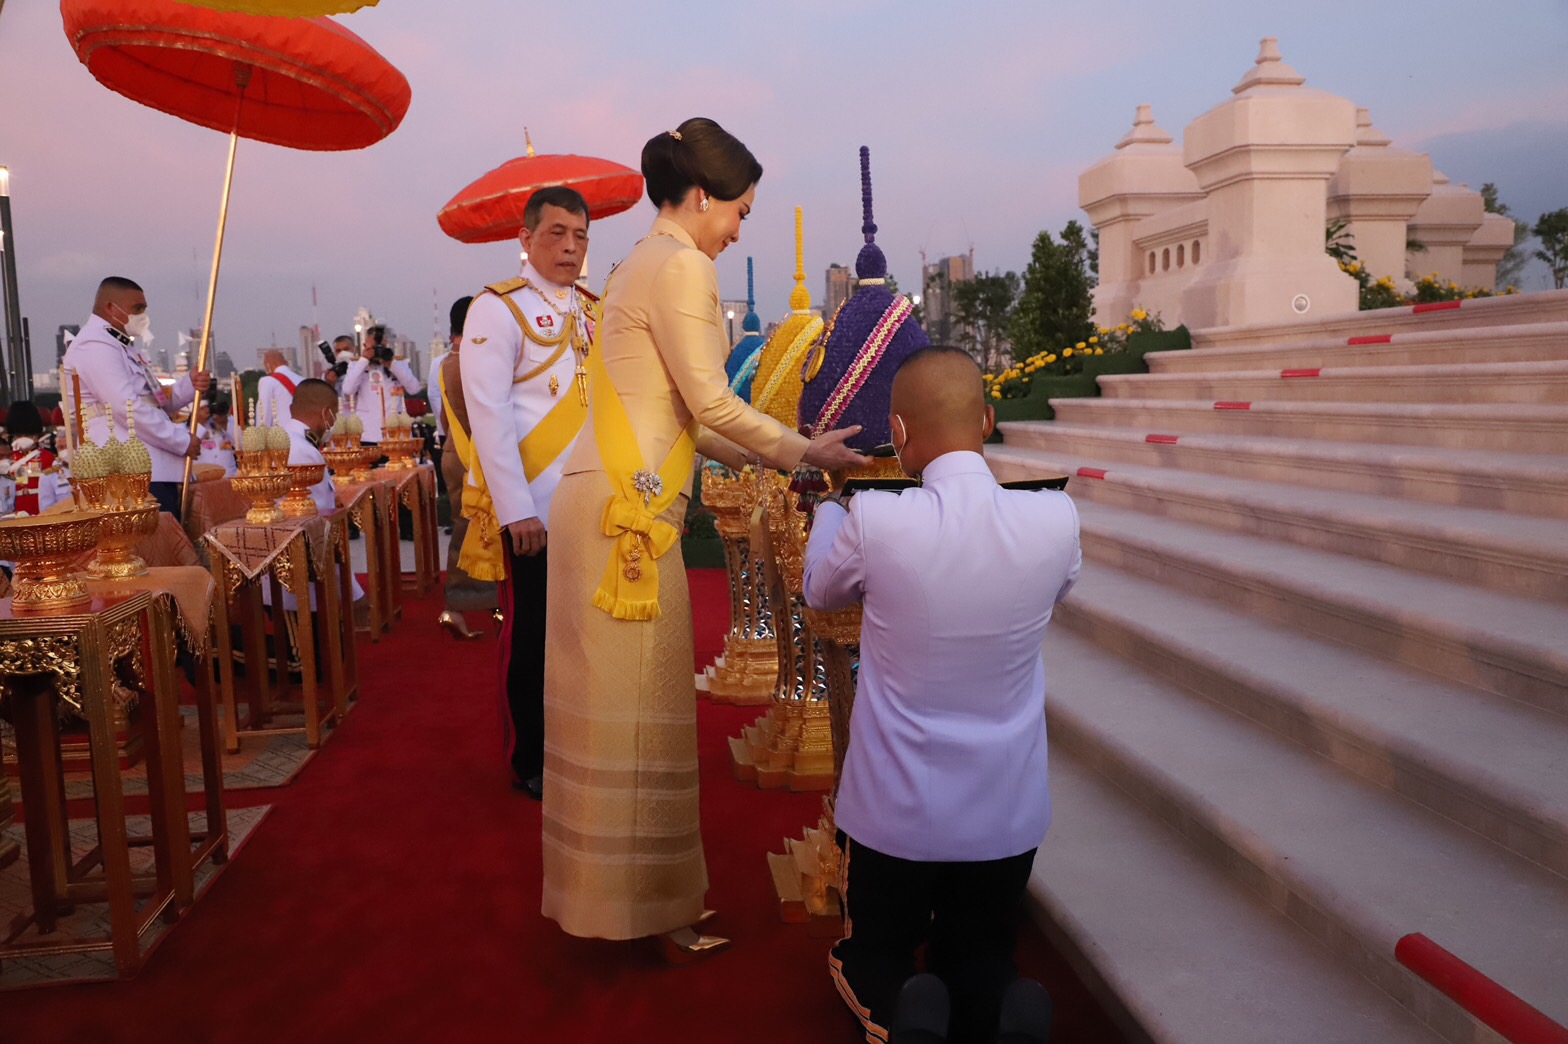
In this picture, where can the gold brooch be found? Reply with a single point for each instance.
(477, 340)
(633, 571)
(555, 385)
(560, 294)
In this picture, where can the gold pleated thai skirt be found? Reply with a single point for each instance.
(622, 844)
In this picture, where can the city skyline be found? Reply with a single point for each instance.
(315, 235)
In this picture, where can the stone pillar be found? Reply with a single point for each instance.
(1444, 224)
(1485, 249)
(1145, 176)
(1264, 158)
(1377, 191)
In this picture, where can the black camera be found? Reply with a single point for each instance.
(376, 337)
(325, 348)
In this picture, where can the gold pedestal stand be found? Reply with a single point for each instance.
(262, 478)
(342, 457)
(400, 453)
(298, 502)
(747, 672)
(45, 550)
(118, 534)
(792, 745)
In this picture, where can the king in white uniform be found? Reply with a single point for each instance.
(525, 344)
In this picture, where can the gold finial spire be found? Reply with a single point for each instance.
(529, 141)
(800, 297)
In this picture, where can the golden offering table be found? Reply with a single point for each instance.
(87, 657)
(293, 556)
(372, 506)
(167, 545)
(416, 490)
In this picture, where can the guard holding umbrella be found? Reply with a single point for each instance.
(115, 373)
(523, 365)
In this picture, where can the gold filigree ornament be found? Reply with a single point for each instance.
(633, 570)
(45, 550)
(58, 655)
(298, 502)
(118, 534)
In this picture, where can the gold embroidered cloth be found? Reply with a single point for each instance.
(252, 549)
(188, 589)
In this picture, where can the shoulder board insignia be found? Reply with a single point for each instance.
(589, 294)
(503, 288)
(1033, 485)
(477, 340)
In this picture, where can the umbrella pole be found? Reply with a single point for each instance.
(242, 80)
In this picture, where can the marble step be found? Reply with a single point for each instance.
(1501, 643)
(1175, 947)
(1511, 382)
(1511, 310)
(1518, 554)
(1532, 484)
(1509, 429)
(1497, 767)
(1526, 342)
(1355, 865)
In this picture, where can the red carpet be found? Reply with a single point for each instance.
(393, 895)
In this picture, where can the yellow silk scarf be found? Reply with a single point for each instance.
(629, 589)
(481, 556)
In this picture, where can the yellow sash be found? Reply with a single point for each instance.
(481, 555)
(629, 589)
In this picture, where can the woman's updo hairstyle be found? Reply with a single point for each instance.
(697, 153)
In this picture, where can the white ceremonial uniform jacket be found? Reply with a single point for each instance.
(433, 393)
(370, 387)
(217, 445)
(947, 758)
(274, 399)
(501, 412)
(112, 372)
(302, 452)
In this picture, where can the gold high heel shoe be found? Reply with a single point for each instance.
(686, 946)
(457, 626)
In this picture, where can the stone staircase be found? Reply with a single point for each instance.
(1311, 694)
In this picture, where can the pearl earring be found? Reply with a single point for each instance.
(702, 205)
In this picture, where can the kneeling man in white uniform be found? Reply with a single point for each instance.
(943, 799)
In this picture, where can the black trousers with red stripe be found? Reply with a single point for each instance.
(967, 914)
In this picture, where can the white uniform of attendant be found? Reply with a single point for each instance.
(947, 758)
(217, 444)
(275, 395)
(502, 410)
(371, 390)
(112, 370)
(301, 451)
(433, 390)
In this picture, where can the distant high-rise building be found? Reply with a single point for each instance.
(936, 281)
(841, 284)
(310, 360)
(222, 366)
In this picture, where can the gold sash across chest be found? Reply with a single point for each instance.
(629, 589)
(482, 555)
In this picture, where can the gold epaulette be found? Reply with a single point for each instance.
(581, 289)
(503, 288)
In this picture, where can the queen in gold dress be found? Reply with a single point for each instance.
(622, 845)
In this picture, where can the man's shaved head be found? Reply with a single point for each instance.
(938, 406)
(117, 300)
(312, 394)
(272, 358)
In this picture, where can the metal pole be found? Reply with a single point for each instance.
(13, 315)
(242, 75)
(27, 356)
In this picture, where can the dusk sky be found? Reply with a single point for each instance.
(979, 115)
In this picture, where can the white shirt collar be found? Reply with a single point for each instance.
(958, 462)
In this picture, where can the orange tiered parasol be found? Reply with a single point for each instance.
(288, 8)
(491, 209)
(307, 83)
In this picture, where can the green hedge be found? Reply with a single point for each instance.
(1036, 405)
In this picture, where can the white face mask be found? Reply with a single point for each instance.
(897, 449)
(139, 326)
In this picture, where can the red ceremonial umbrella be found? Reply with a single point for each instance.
(307, 83)
(491, 209)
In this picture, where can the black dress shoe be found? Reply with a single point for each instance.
(1026, 1014)
(533, 786)
(923, 1012)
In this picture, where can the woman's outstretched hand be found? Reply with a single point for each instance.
(828, 452)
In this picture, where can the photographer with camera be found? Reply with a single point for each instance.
(370, 379)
